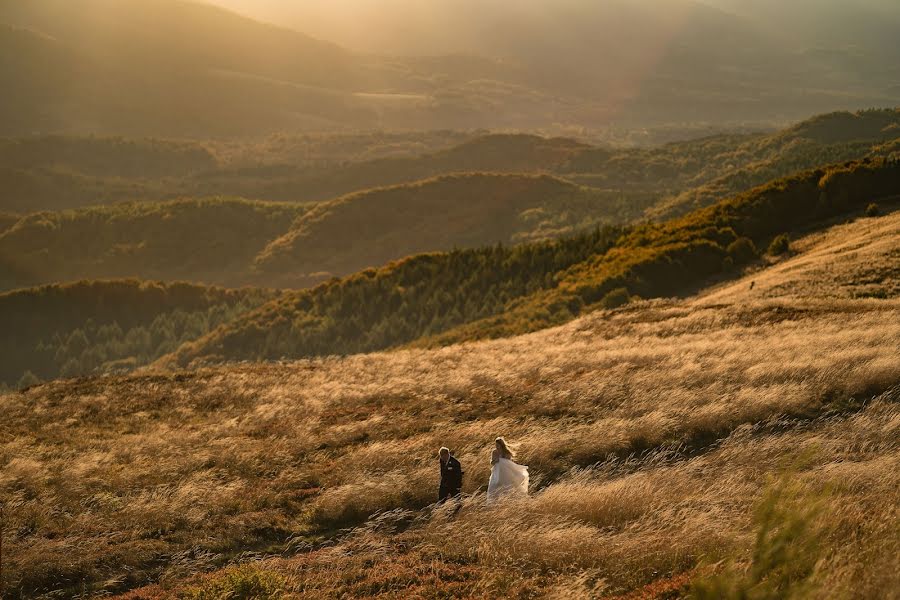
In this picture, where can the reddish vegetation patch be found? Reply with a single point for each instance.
(662, 589)
(150, 592)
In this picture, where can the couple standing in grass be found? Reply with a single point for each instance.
(507, 477)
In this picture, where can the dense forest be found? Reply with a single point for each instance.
(212, 240)
(236, 242)
(371, 228)
(471, 294)
(107, 326)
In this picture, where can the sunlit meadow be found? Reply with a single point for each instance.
(117, 482)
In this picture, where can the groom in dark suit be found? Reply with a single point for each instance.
(451, 476)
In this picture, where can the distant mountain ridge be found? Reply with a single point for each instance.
(178, 68)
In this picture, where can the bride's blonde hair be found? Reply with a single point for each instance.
(505, 451)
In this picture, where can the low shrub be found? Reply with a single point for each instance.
(780, 245)
(616, 298)
(742, 250)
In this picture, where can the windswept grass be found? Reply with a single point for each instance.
(113, 483)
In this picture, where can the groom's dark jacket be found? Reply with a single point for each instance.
(451, 479)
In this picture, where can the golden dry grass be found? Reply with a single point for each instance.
(651, 433)
(857, 259)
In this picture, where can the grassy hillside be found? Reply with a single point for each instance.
(508, 291)
(632, 424)
(860, 259)
(99, 326)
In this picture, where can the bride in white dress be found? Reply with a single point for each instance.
(507, 477)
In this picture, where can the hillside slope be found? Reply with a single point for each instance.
(372, 228)
(107, 326)
(464, 295)
(56, 172)
(233, 242)
(212, 240)
(860, 259)
(632, 423)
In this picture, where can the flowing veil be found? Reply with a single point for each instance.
(507, 478)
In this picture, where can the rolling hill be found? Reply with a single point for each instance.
(52, 172)
(571, 187)
(107, 326)
(472, 294)
(211, 240)
(372, 228)
(285, 181)
(236, 242)
(315, 479)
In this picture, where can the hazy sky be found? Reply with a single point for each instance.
(442, 26)
(420, 26)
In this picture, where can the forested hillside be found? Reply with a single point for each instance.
(52, 173)
(107, 326)
(239, 242)
(470, 294)
(369, 229)
(212, 240)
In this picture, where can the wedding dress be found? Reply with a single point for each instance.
(507, 478)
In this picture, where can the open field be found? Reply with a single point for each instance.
(117, 482)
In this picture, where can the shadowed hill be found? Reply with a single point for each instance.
(239, 242)
(90, 326)
(211, 240)
(174, 67)
(466, 210)
(52, 173)
(507, 153)
(464, 295)
(7, 220)
(107, 157)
